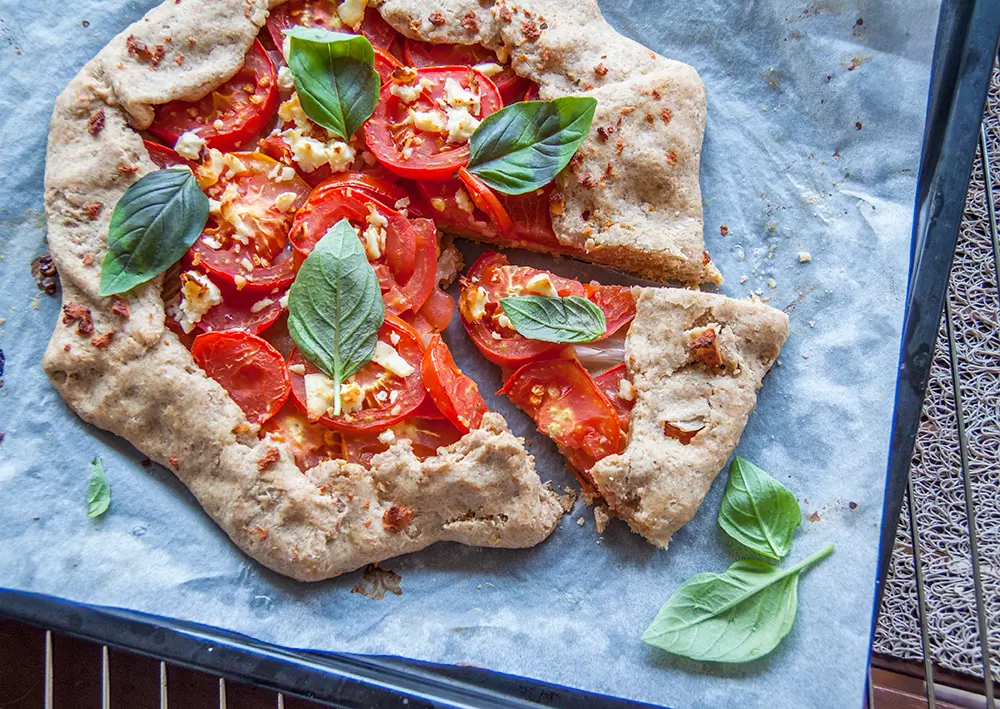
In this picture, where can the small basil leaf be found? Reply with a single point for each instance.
(758, 512)
(335, 306)
(736, 616)
(99, 492)
(335, 78)
(153, 225)
(525, 145)
(539, 317)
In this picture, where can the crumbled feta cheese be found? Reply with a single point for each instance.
(477, 308)
(189, 145)
(407, 93)
(463, 201)
(247, 264)
(299, 369)
(374, 236)
(541, 284)
(352, 12)
(461, 125)
(218, 124)
(393, 395)
(439, 204)
(261, 305)
(285, 79)
(394, 338)
(283, 300)
(214, 206)
(388, 358)
(387, 436)
(286, 46)
(488, 68)
(625, 390)
(284, 201)
(456, 96)
(291, 111)
(312, 154)
(352, 397)
(211, 243)
(504, 321)
(321, 396)
(496, 335)
(198, 296)
(430, 121)
(235, 165)
(402, 203)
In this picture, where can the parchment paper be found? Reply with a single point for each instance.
(815, 118)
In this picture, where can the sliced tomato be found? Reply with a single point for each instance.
(388, 194)
(251, 311)
(428, 410)
(455, 394)
(423, 54)
(165, 157)
(385, 64)
(438, 310)
(532, 219)
(532, 92)
(425, 436)
(453, 214)
(311, 443)
(266, 260)
(387, 398)
(610, 384)
(230, 116)
(616, 302)
(568, 407)
(247, 367)
(323, 14)
(421, 154)
(483, 197)
(494, 275)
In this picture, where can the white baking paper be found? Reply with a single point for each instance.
(816, 111)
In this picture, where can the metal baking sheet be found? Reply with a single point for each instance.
(815, 116)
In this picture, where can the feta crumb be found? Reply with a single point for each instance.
(430, 121)
(189, 145)
(394, 338)
(625, 390)
(407, 93)
(198, 296)
(387, 436)
(214, 206)
(488, 68)
(439, 204)
(285, 79)
(283, 300)
(261, 305)
(744, 278)
(402, 203)
(457, 96)
(463, 201)
(461, 125)
(321, 396)
(805, 257)
(312, 154)
(477, 308)
(284, 201)
(541, 284)
(771, 283)
(291, 111)
(504, 321)
(299, 369)
(218, 124)
(374, 237)
(388, 358)
(352, 12)
(211, 243)
(286, 174)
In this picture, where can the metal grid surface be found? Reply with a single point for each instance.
(942, 598)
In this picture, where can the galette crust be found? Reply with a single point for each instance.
(631, 198)
(696, 361)
(119, 368)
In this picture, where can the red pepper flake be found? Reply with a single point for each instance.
(119, 306)
(141, 51)
(173, 462)
(667, 115)
(272, 456)
(180, 60)
(620, 148)
(724, 230)
(96, 122)
(88, 260)
(262, 533)
(649, 118)
(368, 523)
(601, 70)
(671, 431)
(609, 171)
(469, 22)
(128, 169)
(603, 133)
(575, 162)
(415, 26)
(671, 157)
(94, 210)
(396, 518)
(102, 342)
(655, 93)
(76, 313)
(505, 14)
(705, 347)
(531, 31)
(436, 18)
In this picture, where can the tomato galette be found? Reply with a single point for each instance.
(252, 203)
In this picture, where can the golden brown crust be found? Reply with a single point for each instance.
(143, 385)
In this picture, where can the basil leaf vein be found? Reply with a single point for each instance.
(570, 319)
(99, 492)
(335, 306)
(758, 511)
(335, 77)
(736, 616)
(154, 223)
(525, 145)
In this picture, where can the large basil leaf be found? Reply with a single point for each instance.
(153, 225)
(539, 317)
(759, 512)
(335, 78)
(99, 491)
(335, 306)
(736, 616)
(523, 146)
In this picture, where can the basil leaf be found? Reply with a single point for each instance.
(153, 225)
(335, 306)
(523, 146)
(99, 492)
(736, 616)
(758, 512)
(539, 317)
(335, 78)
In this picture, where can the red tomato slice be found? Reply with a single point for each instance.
(232, 115)
(419, 154)
(502, 345)
(532, 219)
(242, 310)
(438, 310)
(449, 214)
(247, 367)
(165, 157)
(532, 93)
(425, 435)
(568, 407)
(323, 14)
(385, 64)
(616, 302)
(483, 197)
(428, 410)
(379, 189)
(387, 397)
(266, 261)
(610, 384)
(311, 443)
(423, 54)
(455, 394)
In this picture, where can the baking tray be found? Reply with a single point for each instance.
(966, 45)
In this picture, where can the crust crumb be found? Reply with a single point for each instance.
(141, 51)
(724, 230)
(272, 456)
(43, 269)
(96, 122)
(94, 210)
(396, 518)
(241, 428)
(469, 22)
(601, 518)
(436, 18)
(377, 582)
(102, 342)
(74, 312)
